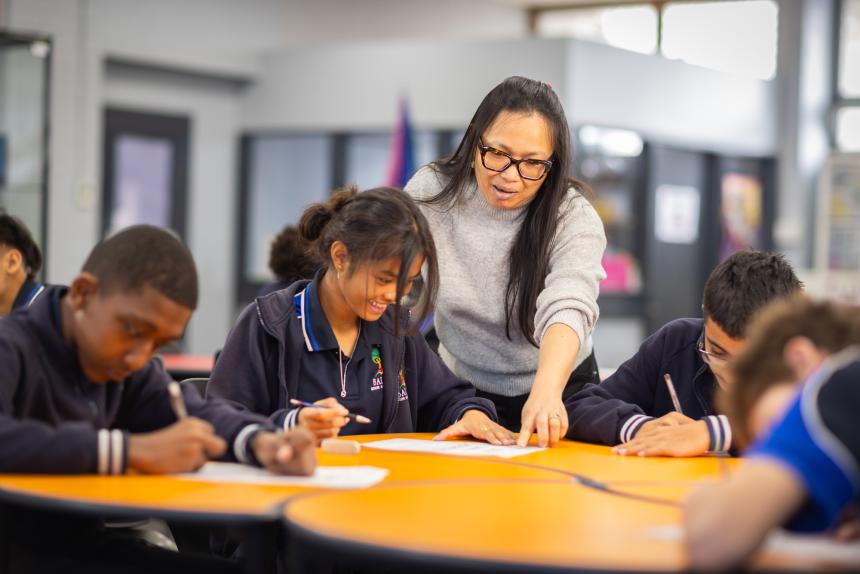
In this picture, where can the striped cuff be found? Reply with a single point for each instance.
(291, 420)
(112, 451)
(240, 445)
(631, 427)
(720, 433)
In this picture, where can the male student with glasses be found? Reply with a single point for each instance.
(635, 411)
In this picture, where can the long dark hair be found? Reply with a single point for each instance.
(375, 225)
(530, 252)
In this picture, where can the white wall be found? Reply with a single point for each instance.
(208, 36)
(669, 101)
(323, 22)
(357, 86)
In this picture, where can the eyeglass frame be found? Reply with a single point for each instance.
(483, 149)
(710, 358)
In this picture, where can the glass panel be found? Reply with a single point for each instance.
(23, 81)
(141, 185)
(848, 129)
(367, 156)
(735, 37)
(286, 174)
(631, 28)
(849, 50)
(610, 161)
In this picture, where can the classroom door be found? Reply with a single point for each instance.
(145, 177)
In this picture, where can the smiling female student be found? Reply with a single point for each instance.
(519, 252)
(343, 341)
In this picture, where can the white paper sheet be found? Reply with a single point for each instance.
(324, 477)
(455, 448)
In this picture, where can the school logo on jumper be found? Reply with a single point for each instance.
(376, 382)
(402, 396)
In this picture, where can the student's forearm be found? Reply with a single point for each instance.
(558, 351)
(726, 522)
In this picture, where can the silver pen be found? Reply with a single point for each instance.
(176, 400)
(672, 393)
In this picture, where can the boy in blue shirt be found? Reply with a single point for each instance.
(804, 465)
(633, 408)
(80, 395)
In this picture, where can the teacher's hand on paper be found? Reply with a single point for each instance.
(181, 447)
(292, 452)
(324, 423)
(690, 439)
(544, 414)
(477, 424)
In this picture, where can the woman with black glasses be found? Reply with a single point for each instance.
(519, 258)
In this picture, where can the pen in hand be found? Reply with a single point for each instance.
(361, 419)
(672, 393)
(176, 401)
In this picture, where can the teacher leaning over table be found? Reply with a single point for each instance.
(519, 248)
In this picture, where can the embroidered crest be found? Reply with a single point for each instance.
(401, 395)
(376, 382)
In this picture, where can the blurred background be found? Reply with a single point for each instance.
(703, 127)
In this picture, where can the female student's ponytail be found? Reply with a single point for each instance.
(317, 216)
(376, 225)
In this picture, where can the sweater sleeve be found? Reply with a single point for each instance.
(246, 373)
(613, 411)
(146, 408)
(32, 446)
(575, 272)
(442, 397)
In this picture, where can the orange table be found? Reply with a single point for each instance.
(502, 526)
(250, 506)
(598, 462)
(624, 516)
(485, 494)
(177, 498)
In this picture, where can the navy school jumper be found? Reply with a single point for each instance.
(259, 368)
(613, 411)
(54, 420)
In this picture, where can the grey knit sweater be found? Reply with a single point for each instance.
(473, 240)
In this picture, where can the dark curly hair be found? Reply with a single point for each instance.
(290, 259)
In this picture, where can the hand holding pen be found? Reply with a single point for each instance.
(179, 447)
(325, 418)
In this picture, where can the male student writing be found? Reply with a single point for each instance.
(79, 393)
(634, 409)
